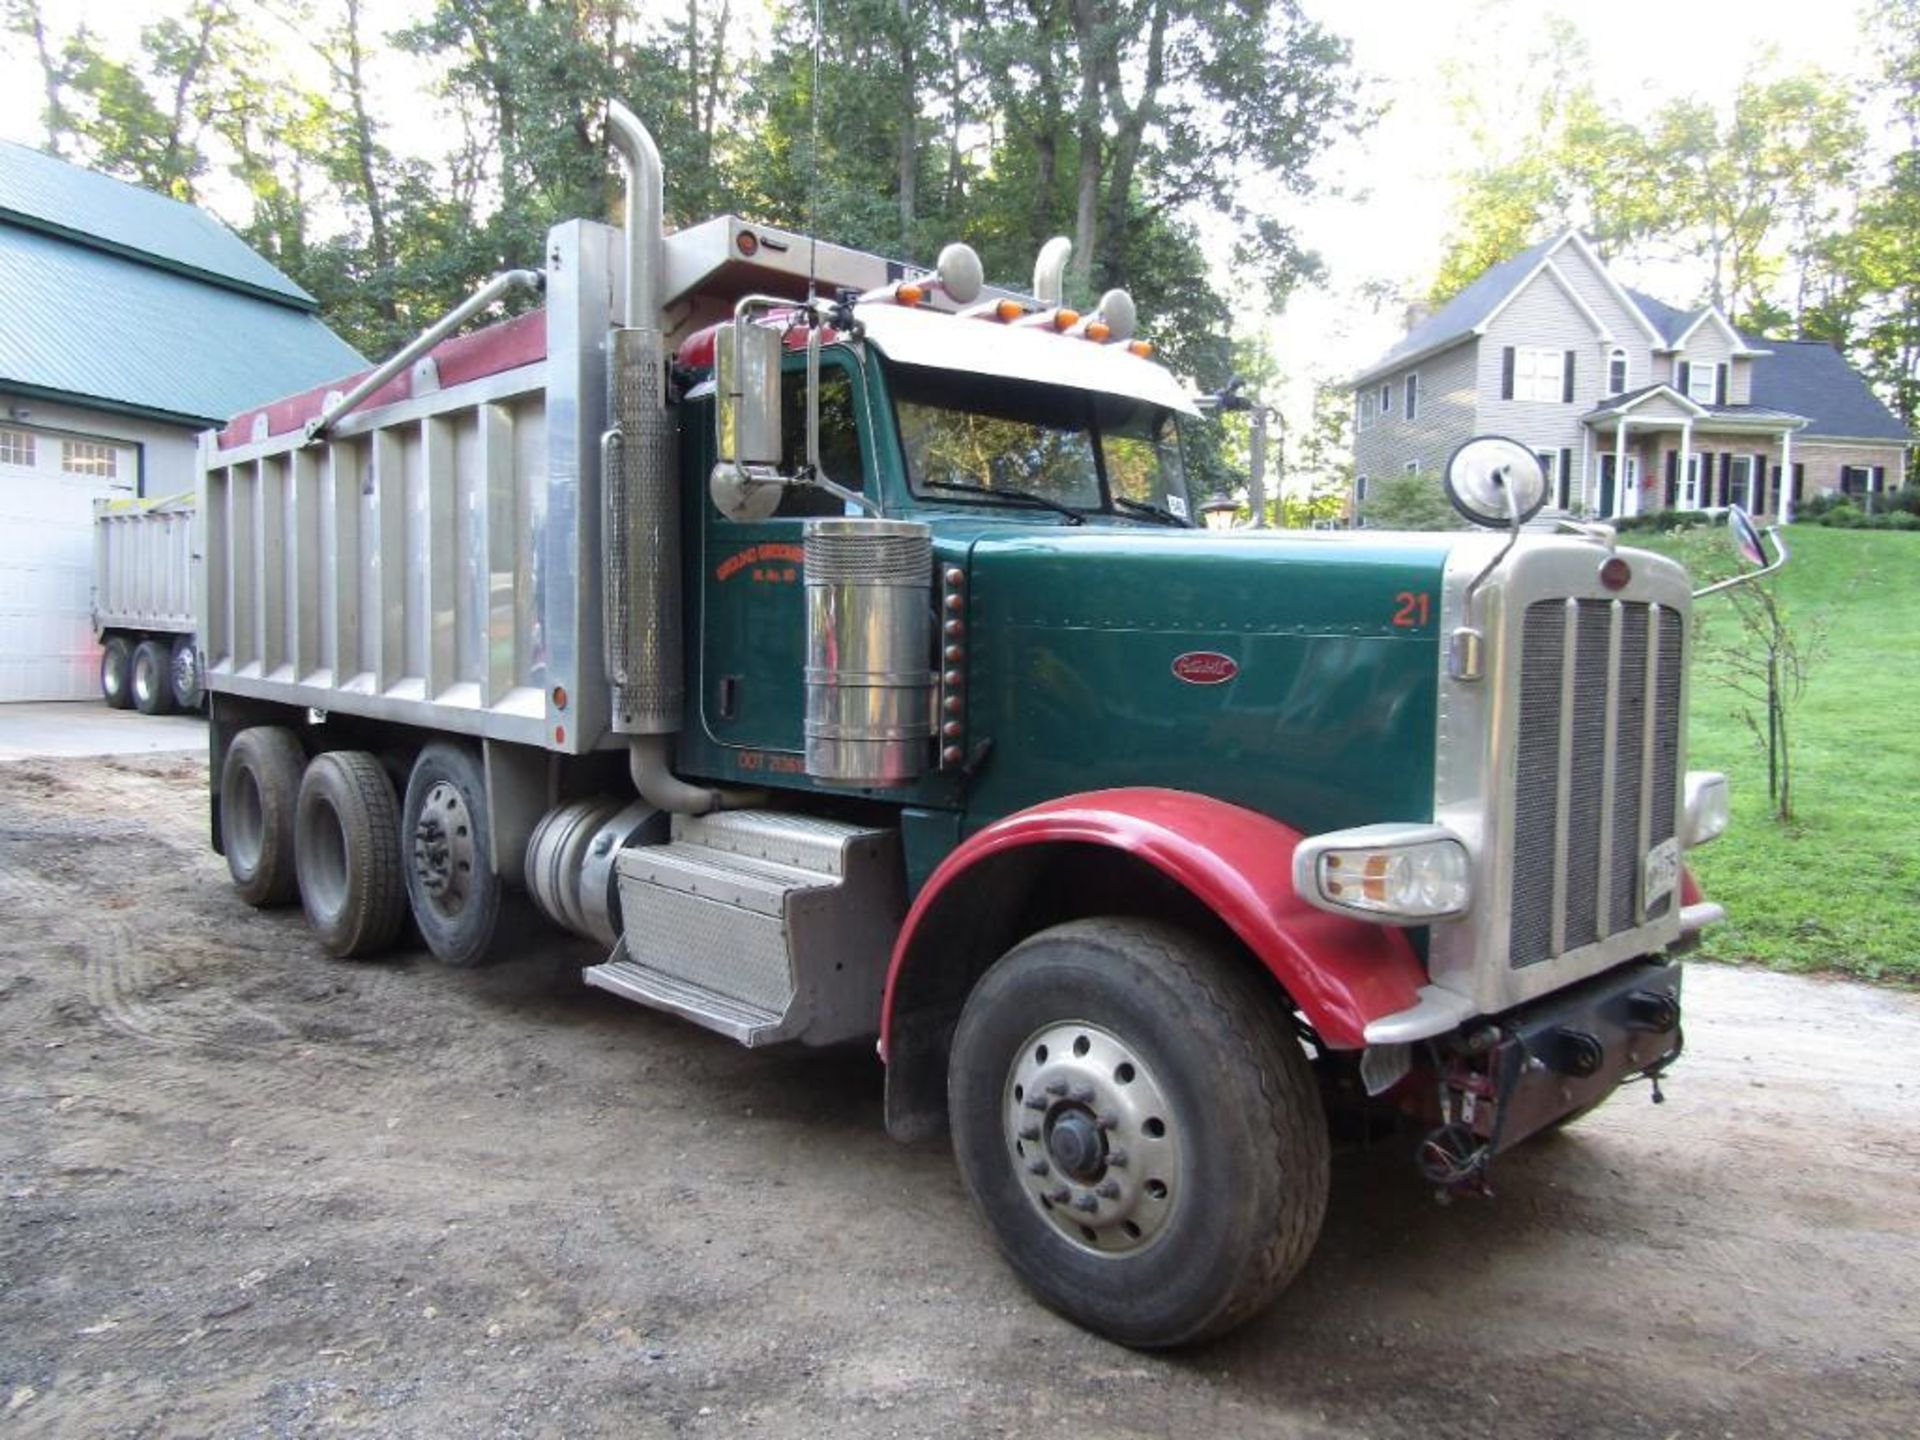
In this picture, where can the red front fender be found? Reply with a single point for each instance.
(1340, 972)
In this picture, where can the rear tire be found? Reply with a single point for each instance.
(153, 678)
(346, 845)
(1141, 1130)
(116, 672)
(451, 884)
(259, 792)
(184, 673)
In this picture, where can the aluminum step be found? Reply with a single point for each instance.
(803, 842)
(760, 925)
(748, 1024)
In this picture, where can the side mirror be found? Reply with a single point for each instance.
(1750, 544)
(746, 397)
(1495, 482)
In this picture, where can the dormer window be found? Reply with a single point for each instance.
(1617, 372)
(1700, 383)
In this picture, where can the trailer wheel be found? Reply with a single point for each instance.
(153, 678)
(259, 792)
(1140, 1128)
(116, 672)
(346, 844)
(184, 671)
(451, 883)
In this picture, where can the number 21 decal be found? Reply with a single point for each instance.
(1416, 609)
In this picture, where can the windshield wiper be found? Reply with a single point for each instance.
(1152, 512)
(1024, 497)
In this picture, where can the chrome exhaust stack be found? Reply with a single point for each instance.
(641, 520)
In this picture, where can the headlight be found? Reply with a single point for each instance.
(1403, 874)
(1707, 807)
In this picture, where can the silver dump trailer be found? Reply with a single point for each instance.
(143, 604)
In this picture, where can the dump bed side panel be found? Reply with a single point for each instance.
(142, 565)
(434, 561)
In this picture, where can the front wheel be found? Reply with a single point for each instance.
(1136, 1121)
(116, 673)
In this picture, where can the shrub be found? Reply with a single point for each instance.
(1662, 522)
(1846, 515)
(1820, 506)
(1903, 520)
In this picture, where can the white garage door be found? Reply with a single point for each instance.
(47, 488)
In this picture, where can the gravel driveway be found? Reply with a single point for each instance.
(248, 1190)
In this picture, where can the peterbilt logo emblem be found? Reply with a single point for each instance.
(1205, 667)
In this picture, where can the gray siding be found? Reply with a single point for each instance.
(1444, 418)
(1541, 316)
(1628, 333)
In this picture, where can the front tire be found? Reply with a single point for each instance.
(451, 885)
(346, 845)
(116, 673)
(1143, 1133)
(153, 678)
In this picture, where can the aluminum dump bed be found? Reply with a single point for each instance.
(436, 558)
(143, 565)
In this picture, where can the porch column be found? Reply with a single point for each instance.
(1619, 466)
(1579, 497)
(1686, 458)
(1786, 477)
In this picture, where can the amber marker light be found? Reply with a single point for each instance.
(1065, 319)
(747, 243)
(908, 293)
(1098, 331)
(1009, 310)
(1616, 574)
(1142, 348)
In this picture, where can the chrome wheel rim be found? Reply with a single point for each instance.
(1092, 1138)
(443, 849)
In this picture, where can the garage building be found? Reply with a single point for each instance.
(128, 323)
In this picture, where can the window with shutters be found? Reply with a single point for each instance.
(1701, 380)
(16, 448)
(1545, 457)
(1413, 397)
(84, 457)
(1538, 374)
(1617, 372)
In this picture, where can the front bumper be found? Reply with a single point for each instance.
(1569, 1051)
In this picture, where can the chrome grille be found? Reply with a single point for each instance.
(1595, 769)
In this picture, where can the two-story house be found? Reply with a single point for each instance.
(1630, 404)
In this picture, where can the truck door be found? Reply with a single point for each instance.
(753, 613)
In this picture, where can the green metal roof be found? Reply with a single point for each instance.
(43, 193)
(104, 328)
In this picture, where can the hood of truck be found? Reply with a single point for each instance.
(1291, 672)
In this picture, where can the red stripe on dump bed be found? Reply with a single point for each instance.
(505, 346)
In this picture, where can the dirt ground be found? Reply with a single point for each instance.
(251, 1191)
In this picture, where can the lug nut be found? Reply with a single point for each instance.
(1030, 1132)
(1087, 1203)
(1108, 1190)
(1116, 1159)
(1037, 1166)
(1082, 1095)
(1034, 1102)
(1056, 1087)
(1059, 1195)
(1107, 1121)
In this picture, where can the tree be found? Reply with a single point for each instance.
(1408, 502)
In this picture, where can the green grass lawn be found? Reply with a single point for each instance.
(1838, 887)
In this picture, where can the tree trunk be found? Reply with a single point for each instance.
(1126, 144)
(364, 159)
(1086, 32)
(55, 117)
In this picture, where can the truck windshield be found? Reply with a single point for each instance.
(1072, 447)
